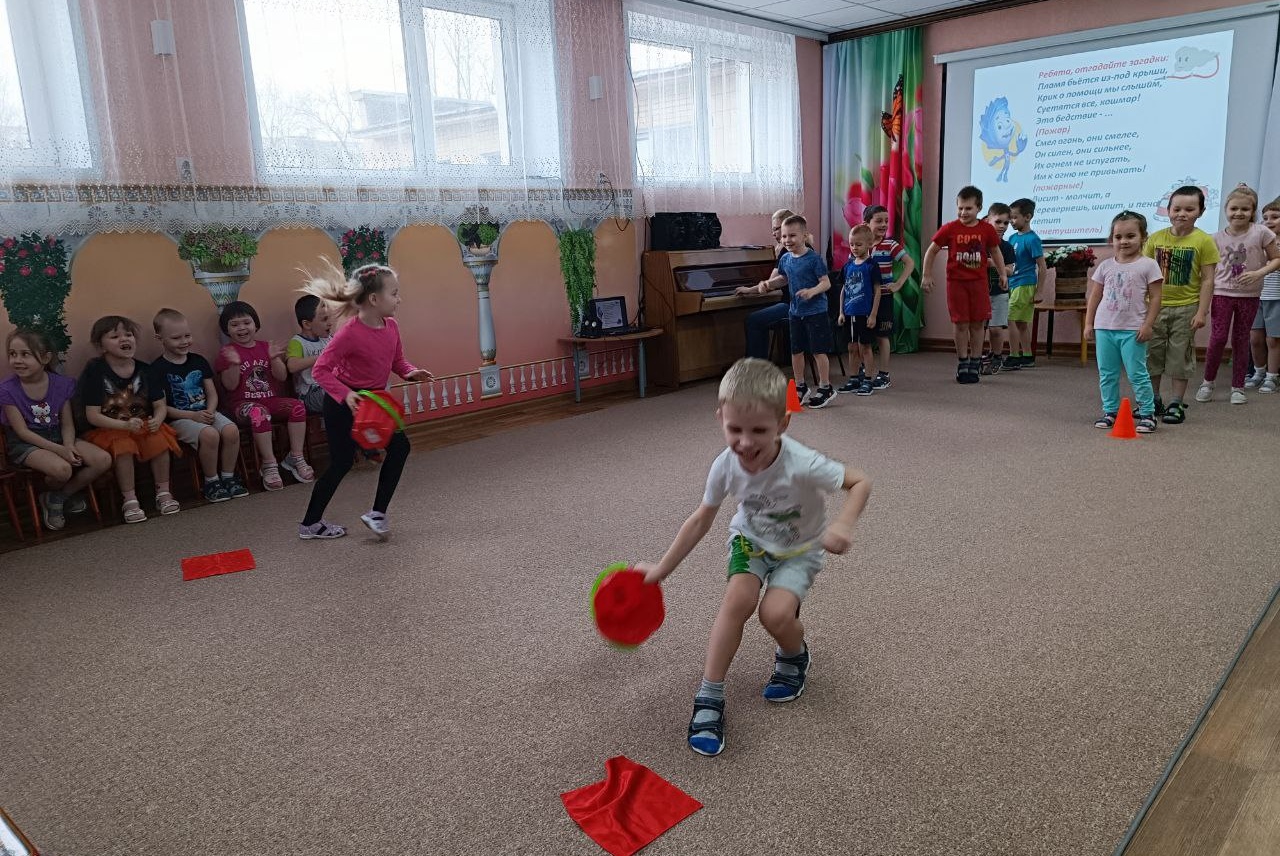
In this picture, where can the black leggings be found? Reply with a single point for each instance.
(338, 420)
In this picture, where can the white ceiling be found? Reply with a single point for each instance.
(830, 16)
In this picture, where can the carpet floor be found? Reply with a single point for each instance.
(1030, 619)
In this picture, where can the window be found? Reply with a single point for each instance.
(401, 89)
(711, 100)
(44, 128)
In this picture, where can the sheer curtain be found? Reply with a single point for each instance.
(715, 112)
(265, 113)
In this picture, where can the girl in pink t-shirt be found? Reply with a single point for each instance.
(361, 356)
(1249, 253)
(252, 373)
(1124, 302)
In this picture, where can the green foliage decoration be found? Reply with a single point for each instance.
(34, 284)
(218, 249)
(578, 264)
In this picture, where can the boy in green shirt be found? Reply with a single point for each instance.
(1187, 257)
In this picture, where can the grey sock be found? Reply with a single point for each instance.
(787, 668)
(711, 690)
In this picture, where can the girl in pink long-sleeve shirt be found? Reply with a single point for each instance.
(362, 354)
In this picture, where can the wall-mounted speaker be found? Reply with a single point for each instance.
(684, 231)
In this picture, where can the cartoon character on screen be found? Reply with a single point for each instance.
(1001, 137)
(1194, 62)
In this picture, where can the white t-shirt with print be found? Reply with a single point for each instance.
(783, 508)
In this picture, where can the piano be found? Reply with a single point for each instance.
(690, 295)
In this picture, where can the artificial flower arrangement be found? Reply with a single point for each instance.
(218, 248)
(1071, 257)
(363, 246)
(34, 285)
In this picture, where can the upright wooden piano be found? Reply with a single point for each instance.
(690, 295)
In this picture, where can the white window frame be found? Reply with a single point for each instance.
(524, 71)
(712, 44)
(56, 101)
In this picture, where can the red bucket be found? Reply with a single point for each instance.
(378, 417)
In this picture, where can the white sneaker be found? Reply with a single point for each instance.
(1252, 381)
(1205, 392)
(377, 522)
(1268, 385)
(1238, 396)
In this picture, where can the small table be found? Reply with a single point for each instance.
(1078, 306)
(579, 346)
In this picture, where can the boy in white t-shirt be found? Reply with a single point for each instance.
(776, 537)
(305, 348)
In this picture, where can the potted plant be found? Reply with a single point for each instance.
(219, 257)
(578, 264)
(34, 285)
(363, 246)
(1071, 264)
(478, 237)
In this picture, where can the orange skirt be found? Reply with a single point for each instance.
(144, 446)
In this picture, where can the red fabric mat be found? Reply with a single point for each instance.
(198, 567)
(630, 808)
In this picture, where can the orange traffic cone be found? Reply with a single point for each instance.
(793, 397)
(1123, 429)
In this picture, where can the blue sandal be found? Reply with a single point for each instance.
(785, 685)
(703, 745)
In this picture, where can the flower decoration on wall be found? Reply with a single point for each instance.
(34, 284)
(363, 246)
(218, 248)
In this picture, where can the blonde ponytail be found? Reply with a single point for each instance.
(345, 295)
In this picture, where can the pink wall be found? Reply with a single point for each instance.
(1023, 22)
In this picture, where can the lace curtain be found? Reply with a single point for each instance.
(715, 112)
(264, 113)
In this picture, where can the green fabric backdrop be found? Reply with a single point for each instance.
(874, 101)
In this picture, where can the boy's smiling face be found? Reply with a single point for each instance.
(753, 432)
(967, 210)
(175, 336)
(1184, 211)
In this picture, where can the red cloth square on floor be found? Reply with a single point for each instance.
(198, 567)
(630, 808)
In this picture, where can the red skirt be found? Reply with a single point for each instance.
(143, 446)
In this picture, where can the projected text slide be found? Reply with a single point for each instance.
(1089, 134)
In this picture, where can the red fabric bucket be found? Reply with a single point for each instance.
(378, 417)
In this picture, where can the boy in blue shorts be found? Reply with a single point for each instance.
(860, 299)
(805, 273)
(1028, 272)
(776, 537)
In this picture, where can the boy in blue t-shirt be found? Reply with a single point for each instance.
(806, 275)
(860, 305)
(1029, 271)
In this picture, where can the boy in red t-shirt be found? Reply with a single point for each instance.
(970, 243)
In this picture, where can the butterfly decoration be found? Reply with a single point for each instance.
(892, 122)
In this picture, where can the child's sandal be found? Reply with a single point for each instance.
(166, 504)
(297, 466)
(702, 744)
(271, 477)
(132, 511)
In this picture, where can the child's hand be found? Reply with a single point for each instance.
(276, 351)
(231, 356)
(353, 400)
(1145, 332)
(804, 293)
(419, 374)
(153, 425)
(1197, 322)
(1252, 277)
(652, 573)
(69, 455)
(837, 540)
(871, 321)
(746, 289)
(134, 425)
(926, 283)
(205, 416)
(840, 320)
(1088, 333)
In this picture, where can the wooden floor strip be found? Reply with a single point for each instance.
(1221, 793)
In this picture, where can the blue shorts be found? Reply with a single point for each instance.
(811, 334)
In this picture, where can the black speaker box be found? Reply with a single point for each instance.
(684, 231)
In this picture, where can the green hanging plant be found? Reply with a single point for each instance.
(218, 248)
(578, 264)
(34, 284)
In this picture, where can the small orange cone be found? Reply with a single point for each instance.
(1123, 429)
(793, 398)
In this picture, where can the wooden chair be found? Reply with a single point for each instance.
(7, 479)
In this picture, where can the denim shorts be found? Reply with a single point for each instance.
(811, 334)
(792, 573)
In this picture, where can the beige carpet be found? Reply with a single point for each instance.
(1031, 618)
